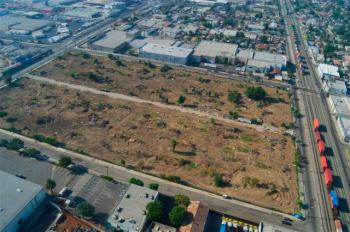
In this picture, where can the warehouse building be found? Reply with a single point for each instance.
(22, 25)
(328, 72)
(214, 52)
(274, 59)
(340, 107)
(19, 200)
(113, 41)
(168, 54)
(130, 213)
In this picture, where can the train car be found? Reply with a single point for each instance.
(316, 124)
(328, 177)
(318, 136)
(334, 202)
(321, 145)
(338, 225)
(324, 162)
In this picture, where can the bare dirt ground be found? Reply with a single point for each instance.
(256, 167)
(202, 91)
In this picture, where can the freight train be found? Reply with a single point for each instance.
(327, 173)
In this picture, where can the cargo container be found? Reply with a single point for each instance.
(223, 227)
(321, 147)
(338, 225)
(316, 124)
(324, 162)
(318, 136)
(328, 177)
(334, 199)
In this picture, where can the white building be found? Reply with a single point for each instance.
(328, 72)
(280, 60)
(112, 41)
(212, 52)
(335, 87)
(340, 107)
(18, 200)
(164, 53)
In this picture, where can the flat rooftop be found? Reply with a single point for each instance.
(15, 194)
(112, 39)
(130, 213)
(328, 69)
(215, 49)
(271, 57)
(166, 50)
(21, 23)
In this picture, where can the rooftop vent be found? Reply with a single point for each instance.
(19, 190)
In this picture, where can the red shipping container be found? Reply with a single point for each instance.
(316, 124)
(324, 162)
(318, 136)
(328, 177)
(321, 147)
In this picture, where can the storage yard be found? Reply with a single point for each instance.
(145, 80)
(219, 157)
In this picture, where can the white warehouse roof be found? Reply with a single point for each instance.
(215, 49)
(326, 69)
(166, 50)
(15, 194)
(271, 57)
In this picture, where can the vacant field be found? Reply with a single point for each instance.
(256, 167)
(145, 80)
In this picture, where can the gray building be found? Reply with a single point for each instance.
(130, 213)
(213, 52)
(19, 199)
(112, 41)
(163, 53)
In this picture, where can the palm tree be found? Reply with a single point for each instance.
(50, 185)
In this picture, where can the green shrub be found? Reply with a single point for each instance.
(3, 114)
(177, 216)
(182, 200)
(154, 211)
(256, 93)
(136, 181)
(153, 186)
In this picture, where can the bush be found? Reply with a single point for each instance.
(255, 93)
(96, 78)
(181, 100)
(235, 97)
(165, 68)
(250, 181)
(50, 140)
(44, 120)
(218, 180)
(173, 178)
(65, 161)
(3, 114)
(154, 211)
(177, 216)
(153, 186)
(136, 181)
(31, 152)
(84, 209)
(182, 200)
(107, 178)
(11, 119)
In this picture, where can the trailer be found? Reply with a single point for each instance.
(324, 162)
(338, 225)
(328, 177)
(321, 145)
(316, 124)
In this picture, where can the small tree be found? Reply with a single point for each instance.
(235, 97)
(50, 185)
(218, 180)
(182, 200)
(177, 216)
(173, 144)
(65, 161)
(84, 209)
(154, 210)
(136, 181)
(255, 93)
(153, 186)
(181, 100)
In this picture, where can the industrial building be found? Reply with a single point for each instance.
(130, 214)
(19, 199)
(213, 52)
(112, 41)
(163, 53)
(274, 59)
(22, 25)
(328, 72)
(259, 66)
(199, 212)
(340, 107)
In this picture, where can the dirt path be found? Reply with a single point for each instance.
(119, 96)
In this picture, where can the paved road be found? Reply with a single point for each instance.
(316, 106)
(119, 96)
(231, 207)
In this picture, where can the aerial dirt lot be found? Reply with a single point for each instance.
(145, 80)
(255, 167)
